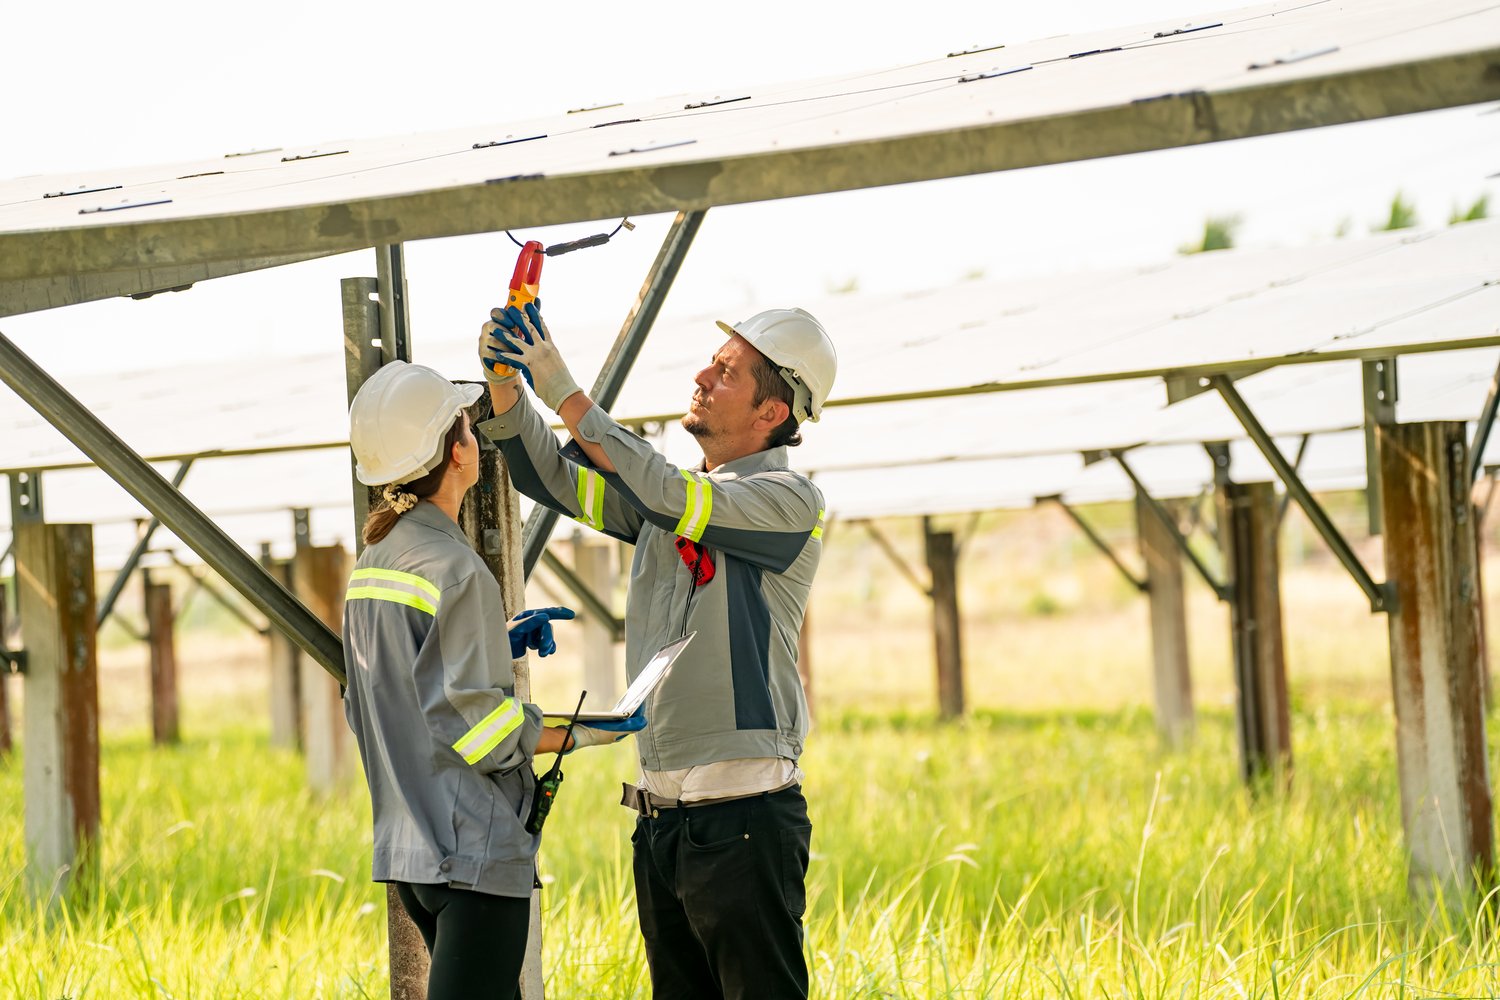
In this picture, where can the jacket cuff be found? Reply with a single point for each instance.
(506, 425)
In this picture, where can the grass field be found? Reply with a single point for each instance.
(1045, 847)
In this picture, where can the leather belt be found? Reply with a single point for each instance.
(643, 802)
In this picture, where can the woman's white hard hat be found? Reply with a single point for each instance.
(801, 348)
(398, 421)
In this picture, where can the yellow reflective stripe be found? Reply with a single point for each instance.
(818, 531)
(590, 498)
(393, 576)
(699, 505)
(493, 728)
(395, 596)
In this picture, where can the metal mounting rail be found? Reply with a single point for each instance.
(622, 356)
(1378, 593)
(79, 425)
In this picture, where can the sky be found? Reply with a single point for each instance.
(114, 84)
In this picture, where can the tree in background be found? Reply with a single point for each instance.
(1479, 210)
(1403, 215)
(1218, 234)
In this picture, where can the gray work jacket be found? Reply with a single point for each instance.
(446, 745)
(735, 692)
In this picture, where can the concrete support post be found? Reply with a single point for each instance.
(592, 563)
(1171, 679)
(55, 577)
(1436, 663)
(286, 667)
(942, 566)
(320, 576)
(491, 518)
(160, 637)
(1248, 516)
(6, 744)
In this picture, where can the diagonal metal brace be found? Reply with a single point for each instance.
(80, 426)
(1221, 590)
(1098, 540)
(901, 564)
(595, 605)
(107, 605)
(1378, 593)
(1483, 427)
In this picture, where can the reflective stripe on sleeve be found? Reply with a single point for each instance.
(699, 505)
(493, 728)
(395, 596)
(818, 531)
(395, 576)
(590, 498)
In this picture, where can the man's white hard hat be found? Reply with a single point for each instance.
(800, 347)
(398, 421)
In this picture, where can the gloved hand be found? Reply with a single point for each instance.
(603, 733)
(495, 372)
(532, 629)
(524, 344)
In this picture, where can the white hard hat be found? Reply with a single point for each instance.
(799, 346)
(398, 421)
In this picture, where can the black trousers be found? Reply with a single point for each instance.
(477, 941)
(720, 893)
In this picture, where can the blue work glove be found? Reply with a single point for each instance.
(522, 341)
(604, 733)
(532, 629)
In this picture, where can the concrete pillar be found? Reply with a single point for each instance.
(1436, 664)
(592, 563)
(286, 667)
(942, 566)
(320, 576)
(1172, 681)
(160, 637)
(60, 776)
(1248, 514)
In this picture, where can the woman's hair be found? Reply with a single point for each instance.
(383, 518)
(770, 385)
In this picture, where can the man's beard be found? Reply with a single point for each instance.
(694, 425)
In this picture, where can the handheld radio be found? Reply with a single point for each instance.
(548, 784)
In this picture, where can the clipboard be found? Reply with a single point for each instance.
(640, 689)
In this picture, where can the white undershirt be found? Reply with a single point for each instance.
(722, 779)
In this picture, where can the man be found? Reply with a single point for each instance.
(727, 550)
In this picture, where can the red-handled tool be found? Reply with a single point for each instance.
(524, 284)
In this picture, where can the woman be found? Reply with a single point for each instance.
(446, 745)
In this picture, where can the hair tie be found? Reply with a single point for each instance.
(400, 500)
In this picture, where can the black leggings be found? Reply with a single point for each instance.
(477, 941)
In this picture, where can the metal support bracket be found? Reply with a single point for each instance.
(1379, 594)
(1286, 498)
(1098, 540)
(25, 500)
(622, 355)
(1380, 390)
(14, 660)
(1483, 427)
(1221, 590)
(581, 590)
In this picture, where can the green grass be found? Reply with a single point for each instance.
(1056, 855)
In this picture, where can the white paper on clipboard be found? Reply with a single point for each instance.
(640, 689)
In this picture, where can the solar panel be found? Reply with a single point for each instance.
(1251, 71)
